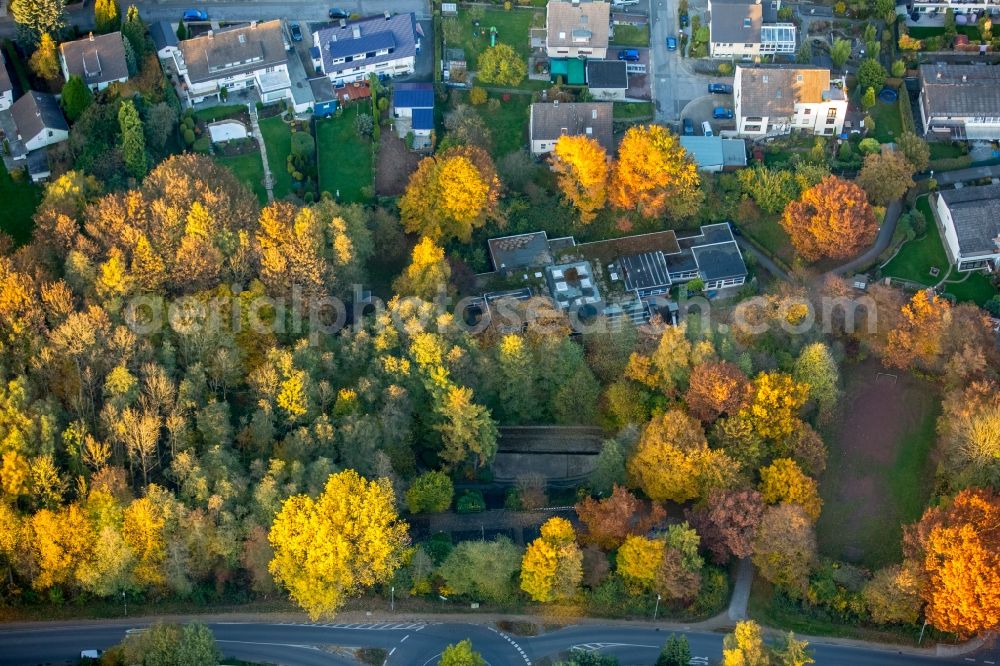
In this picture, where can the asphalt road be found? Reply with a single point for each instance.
(410, 643)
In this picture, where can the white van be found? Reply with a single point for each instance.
(706, 128)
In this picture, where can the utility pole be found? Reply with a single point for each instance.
(657, 609)
(125, 601)
(392, 599)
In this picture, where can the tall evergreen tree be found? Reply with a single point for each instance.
(134, 30)
(107, 15)
(39, 16)
(133, 139)
(76, 97)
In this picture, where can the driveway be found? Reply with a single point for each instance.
(674, 82)
(701, 108)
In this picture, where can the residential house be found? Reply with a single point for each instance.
(969, 218)
(97, 59)
(384, 45)
(324, 96)
(548, 122)
(39, 120)
(248, 56)
(957, 6)
(712, 256)
(407, 97)
(747, 29)
(164, 39)
(775, 100)
(960, 101)
(607, 79)
(714, 154)
(6, 85)
(577, 29)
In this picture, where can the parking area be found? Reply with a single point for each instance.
(701, 108)
(638, 72)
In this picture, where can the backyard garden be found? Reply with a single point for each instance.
(345, 156)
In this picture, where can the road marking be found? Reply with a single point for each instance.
(403, 639)
(392, 651)
(291, 645)
(513, 643)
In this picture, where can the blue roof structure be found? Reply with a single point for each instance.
(364, 44)
(413, 96)
(423, 119)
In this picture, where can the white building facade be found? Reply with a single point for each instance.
(386, 46)
(771, 101)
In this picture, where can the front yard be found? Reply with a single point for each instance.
(631, 35)
(630, 110)
(345, 158)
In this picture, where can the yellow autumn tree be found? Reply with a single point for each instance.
(784, 481)
(427, 273)
(638, 560)
(776, 399)
(61, 541)
(142, 530)
(552, 567)
(654, 175)
(331, 548)
(673, 461)
(451, 194)
(581, 165)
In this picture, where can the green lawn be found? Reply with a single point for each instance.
(918, 32)
(213, 113)
(278, 139)
(629, 110)
(509, 123)
(631, 35)
(915, 259)
(976, 288)
(19, 203)
(769, 233)
(513, 28)
(345, 159)
(888, 125)
(942, 151)
(249, 169)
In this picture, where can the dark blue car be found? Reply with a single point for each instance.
(671, 43)
(722, 113)
(688, 127)
(720, 89)
(195, 15)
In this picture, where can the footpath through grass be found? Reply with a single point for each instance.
(250, 170)
(278, 139)
(345, 159)
(915, 259)
(19, 203)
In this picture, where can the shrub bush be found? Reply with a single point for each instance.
(430, 493)
(471, 502)
(202, 145)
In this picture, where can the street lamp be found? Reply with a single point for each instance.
(125, 601)
(392, 599)
(657, 609)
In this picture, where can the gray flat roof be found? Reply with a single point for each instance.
(521, 251)
(721, 261)
(961, 90)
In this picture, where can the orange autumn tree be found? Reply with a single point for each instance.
(581, 165)
(654, 175)
(451, 194)
(957, 548)
(919, 338)
(609, 521)
(831, 219)
(716, 388)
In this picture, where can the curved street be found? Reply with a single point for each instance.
(414, 642)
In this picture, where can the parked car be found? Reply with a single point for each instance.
(337, 13)
(722, 113)
(671, 43)
(688, 127)
(685, 21)
(296, 32)
(195, 15)
(88, 656)
(706, 129)
(720, 89)
(629, 55)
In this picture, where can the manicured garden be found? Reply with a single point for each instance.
(278, 139)
(630, 110)
(248, 169)
(915, 259)
(976, 288)
(345, 158)
(888, 125)
(213, 113)
(19, 202)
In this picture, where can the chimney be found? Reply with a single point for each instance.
(555, 102)
(356, 31)
(939, 74)
(343, 23)
(387, 15)
(91, 36)
(253, 25)
(965, 78)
